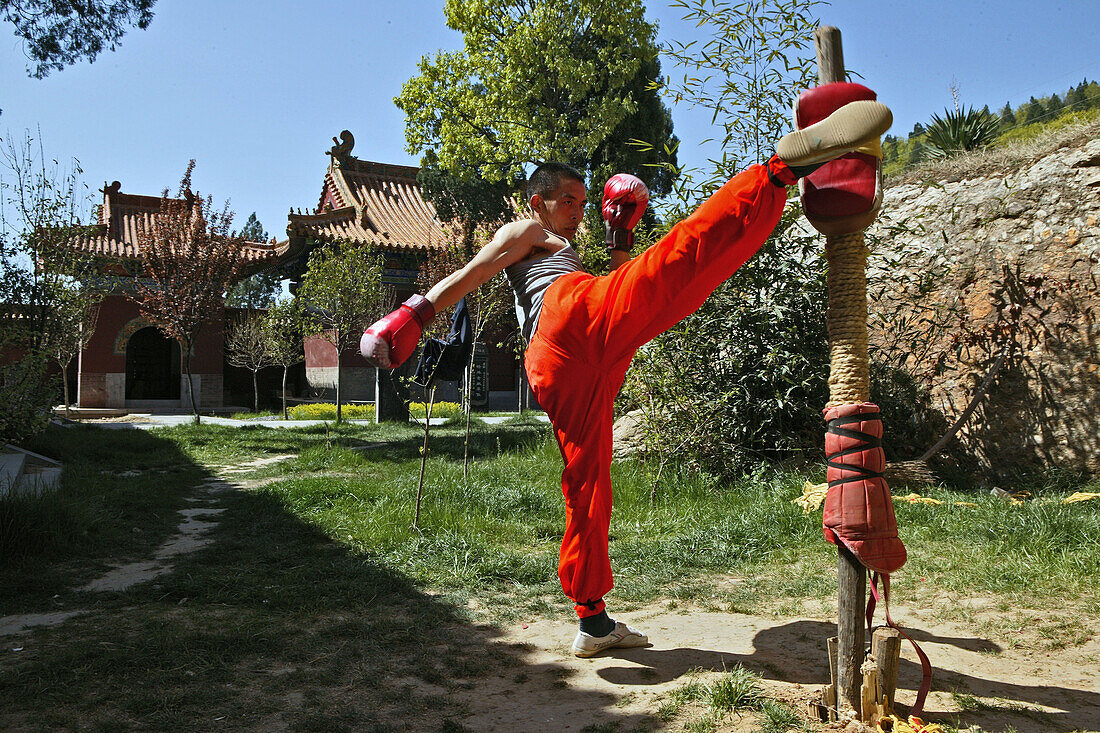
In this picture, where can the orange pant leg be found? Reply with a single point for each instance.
(588, 331)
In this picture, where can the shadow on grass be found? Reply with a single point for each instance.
(795, 653)
(273, 625)
(387, 442)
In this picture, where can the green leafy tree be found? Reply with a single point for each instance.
(1076, 99)
(261, 289)
(1031, 112)
(341, 294)
(741, 380)
(46, 311)
(916, 152)
(756, 54)
(1054, 106)
(72, 324)
(282, 336)
(246, 347)
(1008, 118)
(461, 197)
(190, 257)
(625, 152)
(57, 33)
(536, 80)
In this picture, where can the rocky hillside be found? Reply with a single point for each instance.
(996, 255)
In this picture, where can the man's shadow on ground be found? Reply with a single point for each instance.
(795, 653)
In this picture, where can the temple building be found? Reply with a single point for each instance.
(127, 362)
(378, 204)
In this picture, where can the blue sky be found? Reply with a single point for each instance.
(255, 91)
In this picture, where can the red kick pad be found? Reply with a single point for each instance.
(846, 186)
(859, 512)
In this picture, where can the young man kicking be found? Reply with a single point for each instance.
(583, 329)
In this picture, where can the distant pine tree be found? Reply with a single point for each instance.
(1008, 118)
(1031, 112)
(918, 129)
(260, 290)
(915, 153)
(1076, 99)
(1054, 106)
(1092, 94)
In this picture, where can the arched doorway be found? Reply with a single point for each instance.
(152, 366)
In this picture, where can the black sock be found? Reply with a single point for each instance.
(801, 171)
(599, 625)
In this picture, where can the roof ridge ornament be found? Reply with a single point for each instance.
(341, 151)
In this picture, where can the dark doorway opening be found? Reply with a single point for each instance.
(152, 366)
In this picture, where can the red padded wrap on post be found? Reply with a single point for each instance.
(846, 186)
(843, 187)
(858, 510)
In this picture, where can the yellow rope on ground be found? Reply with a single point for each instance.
(894, 724)
(1080, 496)
(813, 496)
(849, 372)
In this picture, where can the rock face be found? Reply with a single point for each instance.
(628, 435)
(950, 260)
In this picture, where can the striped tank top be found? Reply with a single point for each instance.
(530, 279)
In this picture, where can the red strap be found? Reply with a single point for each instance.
(926, 666)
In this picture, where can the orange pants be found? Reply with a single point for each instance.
(588, 331)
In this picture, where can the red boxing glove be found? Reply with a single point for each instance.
(624, 200)
(392, 340)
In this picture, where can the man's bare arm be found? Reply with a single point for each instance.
(618, 257)
(512, 243)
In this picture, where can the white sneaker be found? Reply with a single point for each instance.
(846, 129)
(622, 636)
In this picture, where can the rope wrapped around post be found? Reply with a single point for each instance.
(841, 199)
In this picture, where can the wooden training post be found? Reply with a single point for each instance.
(886, 651)
(849, 381)
(830, 691)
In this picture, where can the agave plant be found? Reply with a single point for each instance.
(958, 131)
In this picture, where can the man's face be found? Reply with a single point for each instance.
(563, 209)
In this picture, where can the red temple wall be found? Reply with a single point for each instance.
(102, 376)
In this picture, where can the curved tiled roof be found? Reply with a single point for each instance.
(122, 215)
(378, 204)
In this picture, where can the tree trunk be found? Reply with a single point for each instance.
(285, 370)
(255, 392)
(469, 408)
(519, 395)
(339, 416)
(190, 383)
(65, 383)
(974, 401)
(424, 456)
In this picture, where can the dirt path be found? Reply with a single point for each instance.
(998, 688)
(192, 532)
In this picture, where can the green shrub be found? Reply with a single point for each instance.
(1027, 133)
(27, 393)
(439, 409)
(327, 411)
(744, 378)
(960, 130)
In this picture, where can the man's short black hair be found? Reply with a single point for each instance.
(547, 178)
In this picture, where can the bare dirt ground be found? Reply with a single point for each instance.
(995, 669)
(994, 684)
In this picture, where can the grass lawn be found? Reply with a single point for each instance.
(318, 607)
